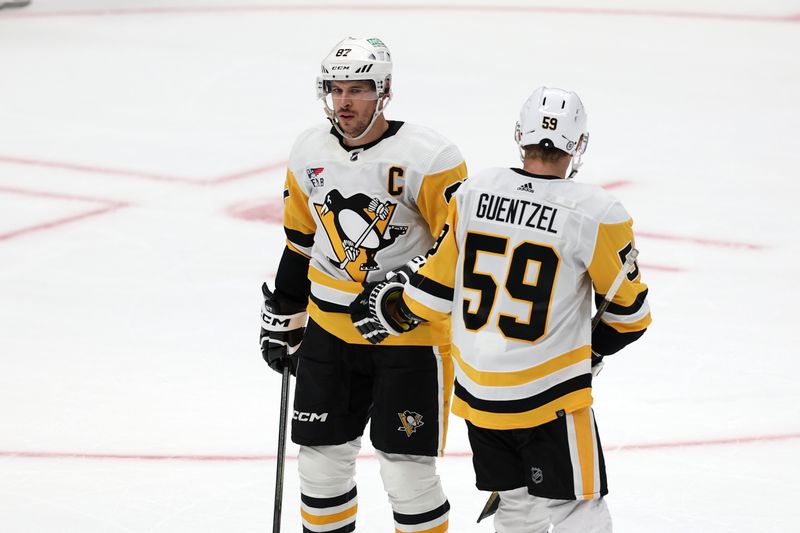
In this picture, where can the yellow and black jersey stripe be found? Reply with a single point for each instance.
(628, 312)
(435, 193)
(298, 224)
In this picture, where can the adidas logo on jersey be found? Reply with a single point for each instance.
(528, 187)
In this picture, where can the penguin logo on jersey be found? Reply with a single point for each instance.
(358, 228)
(411, 421)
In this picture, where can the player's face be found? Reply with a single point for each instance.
(354, 104)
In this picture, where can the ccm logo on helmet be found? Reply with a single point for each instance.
(310, 417)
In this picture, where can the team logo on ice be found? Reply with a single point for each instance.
(536, 475)
(314, 175)
(358, 227)
(411, 421)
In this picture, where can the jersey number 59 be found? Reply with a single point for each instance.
(536, 292)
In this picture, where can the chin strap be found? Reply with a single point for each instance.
(576, 165)
(378, 111)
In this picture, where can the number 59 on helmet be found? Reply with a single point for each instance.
(554, 118)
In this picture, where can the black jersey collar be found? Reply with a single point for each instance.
(522, 172)
(394, 127)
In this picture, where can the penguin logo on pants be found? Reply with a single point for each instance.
(358, 228)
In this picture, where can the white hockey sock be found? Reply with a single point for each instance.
(415, 493)
(329, 500)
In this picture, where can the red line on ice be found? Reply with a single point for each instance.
(57, 195)
(698, 15)
(662, 268)
(107, 207)
(78, 167)
(616, 184)
(699, 240)
(58, 222)
(755, 439)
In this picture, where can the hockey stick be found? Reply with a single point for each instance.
(494, 498)
(14, 3)
(363, 236)
(276, 516)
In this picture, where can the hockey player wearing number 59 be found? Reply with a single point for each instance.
(361, 199)
(515, 265)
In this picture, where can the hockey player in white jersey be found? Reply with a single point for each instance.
(515, 266)
(363, 195)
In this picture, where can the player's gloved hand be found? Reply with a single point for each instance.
(374, 313)
(282, 328)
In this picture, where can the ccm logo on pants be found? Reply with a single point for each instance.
(310, 417)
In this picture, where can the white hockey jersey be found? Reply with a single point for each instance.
(515, 267)
(357, 213)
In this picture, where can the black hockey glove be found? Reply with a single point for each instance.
(370, 314)
(282, 328)
(375, 312)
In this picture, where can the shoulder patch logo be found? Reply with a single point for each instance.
(411, 422)
(315, 176)
(527, 187)
(358, 227)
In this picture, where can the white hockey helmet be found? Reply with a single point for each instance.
(357, 59)
(556, 118)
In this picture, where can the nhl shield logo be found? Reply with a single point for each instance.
(411, 421)
(536, 475)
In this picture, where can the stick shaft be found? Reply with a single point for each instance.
(278, 506)
(612, 291)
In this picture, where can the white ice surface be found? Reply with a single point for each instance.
(132, 133)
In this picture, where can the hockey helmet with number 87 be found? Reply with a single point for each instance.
(355, 59)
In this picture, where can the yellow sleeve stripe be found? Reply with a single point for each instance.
(441, 266)
(296, 215)
(631, 327)
(606, 262)
(431, 200)
(422, 310)
(521, 377)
